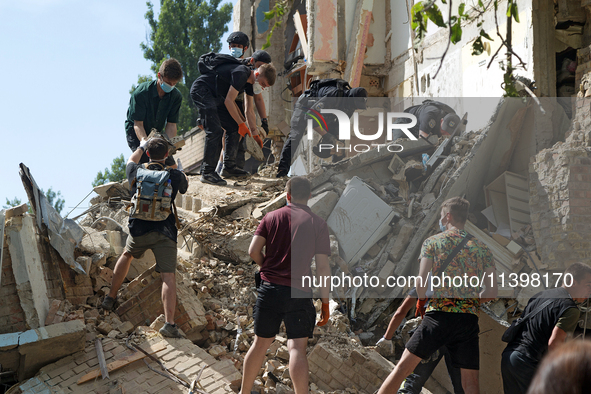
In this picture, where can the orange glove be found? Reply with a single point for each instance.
(421, 307)
(324, 315)
(243, 130)
(258, 139)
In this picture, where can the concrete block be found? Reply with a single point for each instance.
(401, 242)
(359, 219)
(187, 202)
(387, 270)
(48, 344)
(95, 242)
(272, 205)
(196, 205)
(323, 204)
(16, 211)
(327, 186)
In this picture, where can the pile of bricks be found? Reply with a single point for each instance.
(180, 356)
(364, 370)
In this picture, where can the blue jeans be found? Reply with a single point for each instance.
(414, 383)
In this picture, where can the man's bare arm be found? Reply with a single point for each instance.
(170, 130)
(259, 102)
(140, 132)
(492, 290)
(425, 268)
(323, 271)
(230, 103)
(250, 116)
(255, 250)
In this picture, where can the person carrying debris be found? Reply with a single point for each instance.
(451, 318)
(155, 105)
(433, 118)
(321, 92)
(548, 317)
(234, 145)
(292, 235)
(152, 224)
(214, 93)
(413, 384)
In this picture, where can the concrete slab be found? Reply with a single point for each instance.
(359, 220)
(323, 204)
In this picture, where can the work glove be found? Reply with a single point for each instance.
(265, 125)
(421, 307)
(258, 139)
(144, 144)
(385, 345)
(243, 130)
(324, 315)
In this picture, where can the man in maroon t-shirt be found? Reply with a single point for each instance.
(293, 235)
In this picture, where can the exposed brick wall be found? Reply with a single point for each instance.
(77, 287)
(12, 316)
(144, 304)
(365, 370)
(192, 153)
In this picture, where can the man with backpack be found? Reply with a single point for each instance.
(155, 105)
(433, 118)
(152, 224)
(214, 93)
(339, 95)
(548, 317)
(451, 318)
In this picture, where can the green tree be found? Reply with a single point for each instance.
(427, 10)
(54, 199)
(115, 174)
(185, 29)
(15, 202)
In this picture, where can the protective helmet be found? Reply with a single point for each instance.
(239, 38)
(261, 56)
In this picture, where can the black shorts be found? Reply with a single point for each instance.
(275, 304)
(457, 331)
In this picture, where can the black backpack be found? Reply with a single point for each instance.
(210, 61)
(315, 86)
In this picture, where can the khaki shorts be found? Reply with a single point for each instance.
(164, 249)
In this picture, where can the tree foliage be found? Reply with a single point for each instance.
(115, 174)
(54, 199)
(427, 10)
(185, 30)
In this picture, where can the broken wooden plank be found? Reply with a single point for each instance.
(117, 364)
(297, 19)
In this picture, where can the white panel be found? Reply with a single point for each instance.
(359, 220)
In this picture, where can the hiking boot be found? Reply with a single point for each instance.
(234, 172)
(108, 303)
(170, 331)
(213, 179)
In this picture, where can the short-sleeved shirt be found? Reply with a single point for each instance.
(138, 227)
(474, 258)
(293, 234)
(562, 312)
(145, 105)
(226, 75)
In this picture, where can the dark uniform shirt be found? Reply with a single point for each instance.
(226, 75)
(428, 118)
(167, 227)
(146, 106)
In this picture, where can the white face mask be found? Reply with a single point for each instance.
(256, 87)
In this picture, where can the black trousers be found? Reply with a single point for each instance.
(296, 132)
(205, 100)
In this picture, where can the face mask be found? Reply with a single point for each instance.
(166, 87)
(441, 226)
(257, 89)
(236, 52)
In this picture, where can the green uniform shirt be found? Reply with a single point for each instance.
(146, 106)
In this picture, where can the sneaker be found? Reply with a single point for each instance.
(108, 303)
(170, 331)
(234, 172)
(281, 174)
(213, 179)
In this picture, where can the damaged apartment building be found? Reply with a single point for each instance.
(523, 163)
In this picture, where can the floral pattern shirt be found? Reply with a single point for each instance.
(461, 293)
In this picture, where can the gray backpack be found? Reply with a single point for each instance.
(153, 196)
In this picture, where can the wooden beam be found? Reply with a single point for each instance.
(364, 22)
(117, 364)
(297, 19)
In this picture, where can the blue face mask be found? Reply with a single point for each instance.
(166, 87)
(441, 226)
(236, 52)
